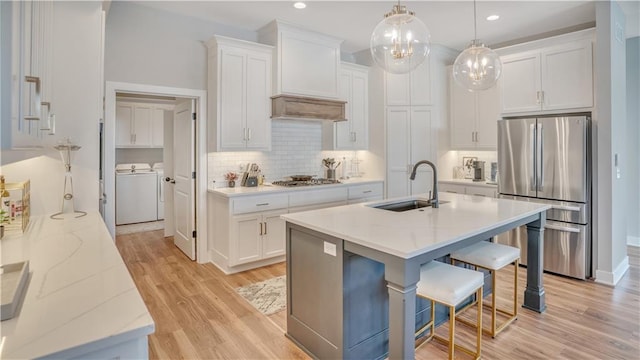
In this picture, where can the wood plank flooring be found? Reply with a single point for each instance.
(199, 315)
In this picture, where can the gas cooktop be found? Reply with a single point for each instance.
(292, 183)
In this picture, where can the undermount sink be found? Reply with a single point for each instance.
(406, 205)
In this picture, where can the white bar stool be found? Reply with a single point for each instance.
(492, 257)
(450, 285)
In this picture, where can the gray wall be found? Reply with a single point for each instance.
(610, 196)
(633, 139)
(153, 47)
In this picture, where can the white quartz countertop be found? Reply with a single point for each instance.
(410, 233)
(469, 182)
(272, 189)
(80, 295)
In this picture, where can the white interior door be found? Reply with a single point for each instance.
(184, 181)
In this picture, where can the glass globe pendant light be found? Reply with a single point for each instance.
(400, 42)
(477, 67)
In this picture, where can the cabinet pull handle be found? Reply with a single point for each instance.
(451, 191)
(538, 97)
(542, 97)
(244, 134)
(48, 106)
(261, 232)
(35, 80)
(262, 204)
(249, 132)
(367, 191)
(265, 228)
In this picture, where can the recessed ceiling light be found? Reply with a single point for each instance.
(493, 17)
(299, 5)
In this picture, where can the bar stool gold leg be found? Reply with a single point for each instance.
(452, 325)
(493, 303)
(479, 323)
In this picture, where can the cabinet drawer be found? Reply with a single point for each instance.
(365, 191)
(451, 188)
(481, 191)
(312, 197)
(260, 203)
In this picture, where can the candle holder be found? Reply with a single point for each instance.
(66, 149)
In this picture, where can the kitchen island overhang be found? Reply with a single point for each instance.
(401, 242)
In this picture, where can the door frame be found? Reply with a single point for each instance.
(109, 138)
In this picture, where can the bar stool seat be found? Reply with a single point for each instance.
(492, 257)
(450, 285)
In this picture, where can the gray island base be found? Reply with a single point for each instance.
(352, 270)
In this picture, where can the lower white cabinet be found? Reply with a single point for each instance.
(247, 231)
(257, 236)
(468, 189)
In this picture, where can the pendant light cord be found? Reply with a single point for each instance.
(475, 25)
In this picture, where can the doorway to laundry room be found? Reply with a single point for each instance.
(154, 163)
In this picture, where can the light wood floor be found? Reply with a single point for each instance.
(199, 315)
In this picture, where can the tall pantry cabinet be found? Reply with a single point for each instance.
(408, 128)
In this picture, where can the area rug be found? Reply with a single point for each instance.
(268, 296)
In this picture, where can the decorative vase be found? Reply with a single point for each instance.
(232, 183)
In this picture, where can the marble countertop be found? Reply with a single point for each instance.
(410, 233)
(469, 182)
(272, 189)
(80, 292)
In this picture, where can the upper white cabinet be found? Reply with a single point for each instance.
(413, 88)
(307, 63)
(140, 124)
(30, 67)
(551, 78)
(474, 116)
(239, 82)
(353, 133)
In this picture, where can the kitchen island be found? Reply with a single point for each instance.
(80, 301)
(330, 254)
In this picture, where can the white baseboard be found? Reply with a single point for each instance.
(633, 241)
(612, 278)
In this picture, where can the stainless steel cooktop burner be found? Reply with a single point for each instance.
(292, 183)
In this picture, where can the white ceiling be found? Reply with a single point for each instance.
(450, 22)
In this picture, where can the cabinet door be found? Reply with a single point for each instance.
(258, 105)
(157, 127)
(342, 129)
(142, 125)
(397, 89)
(245, 239)
(420, 144)
(421, 84)
(481, 191)
(360, 110)
(521, 83)
(231, 100)
(451, 188)
(463, 115)
(567, 76)
(273, 234)
(398, 150)
(487, 115)
(124, 124)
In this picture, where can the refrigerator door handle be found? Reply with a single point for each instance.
(534, 161)
(561, 228)
(540, 145)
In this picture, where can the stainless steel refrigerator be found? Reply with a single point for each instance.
(547, 160)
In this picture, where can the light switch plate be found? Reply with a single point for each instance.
(329, 248)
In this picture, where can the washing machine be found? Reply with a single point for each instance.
(159, 169)
(136, 194)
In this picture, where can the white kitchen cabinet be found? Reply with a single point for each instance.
(139, 124)
(410, 89)
(474, 116)
(468, 189)
(30, 32)
(257, 236)
(353, 133)
(366, 192)
(551, 78)
(409, 140)
(239, 82)
(307, 63)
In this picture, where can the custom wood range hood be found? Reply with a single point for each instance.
(307, 108)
